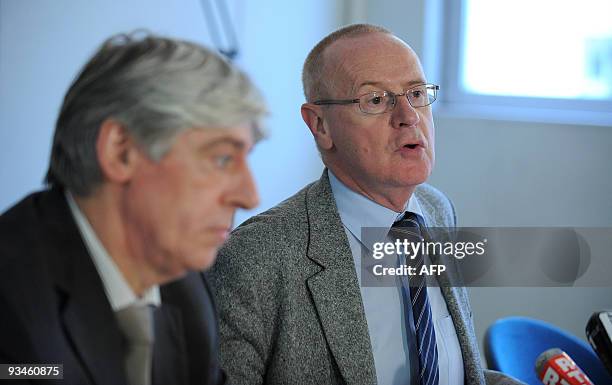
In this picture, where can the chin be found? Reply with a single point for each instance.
(414, 178)
(204, 260)
(168, 276)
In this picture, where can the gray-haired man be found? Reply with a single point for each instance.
(100, 272)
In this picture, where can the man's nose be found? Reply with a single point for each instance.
(404, 114)
(243, 193)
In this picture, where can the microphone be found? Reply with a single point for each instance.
(599, 334)
(555, 367)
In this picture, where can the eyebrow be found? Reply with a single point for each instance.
(380, 84)
(238, 144)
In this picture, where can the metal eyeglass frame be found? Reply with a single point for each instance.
(390, 106)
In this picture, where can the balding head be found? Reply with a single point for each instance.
(316, 69)
(382, 155)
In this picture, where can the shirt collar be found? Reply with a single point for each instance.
(357, 211)
(119, 293)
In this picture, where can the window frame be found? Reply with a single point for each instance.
(444, 50)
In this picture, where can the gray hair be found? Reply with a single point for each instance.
(314, 80)
(156, 88)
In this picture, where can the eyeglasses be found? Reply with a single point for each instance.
(379, 102)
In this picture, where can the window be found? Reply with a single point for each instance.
(548, 58)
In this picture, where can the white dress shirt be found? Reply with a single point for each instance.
(118, 291)
(395, 360)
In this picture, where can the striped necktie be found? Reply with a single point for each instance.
(415, 288)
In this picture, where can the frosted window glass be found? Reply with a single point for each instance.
(538, 48)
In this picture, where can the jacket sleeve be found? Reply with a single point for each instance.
(241, 284)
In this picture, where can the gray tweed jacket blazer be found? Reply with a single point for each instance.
(289, 302)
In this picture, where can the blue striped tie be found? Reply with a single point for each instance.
(409, 228)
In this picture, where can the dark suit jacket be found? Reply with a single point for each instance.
(54, 309)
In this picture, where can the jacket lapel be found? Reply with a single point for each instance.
(457, 302)
(87, 317)
(335, 289)
(98, 346)
(191, 328)
(169, 356)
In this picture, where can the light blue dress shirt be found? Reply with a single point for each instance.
(395, 360)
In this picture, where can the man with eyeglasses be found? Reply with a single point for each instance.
(293, 307)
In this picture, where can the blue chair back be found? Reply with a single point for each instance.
(513, 344)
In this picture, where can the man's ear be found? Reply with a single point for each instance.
(116, 151)
(313, 118)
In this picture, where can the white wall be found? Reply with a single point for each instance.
(277, 36)
(43, 43)
(527, 174)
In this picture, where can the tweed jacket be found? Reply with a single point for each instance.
(289, 301)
